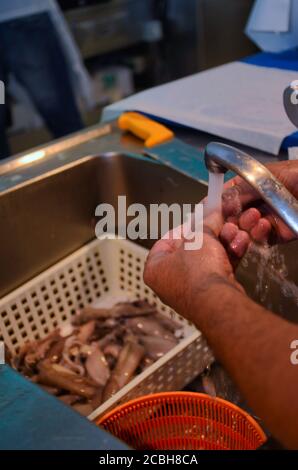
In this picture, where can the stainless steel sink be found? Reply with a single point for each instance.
(50, 216)
(54, 214)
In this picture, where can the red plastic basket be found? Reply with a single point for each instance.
(183, 420)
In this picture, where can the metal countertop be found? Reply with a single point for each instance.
(96, 140)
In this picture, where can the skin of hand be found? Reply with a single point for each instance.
(213, 259)
(257, 224)
(252, 343)
(181, 281)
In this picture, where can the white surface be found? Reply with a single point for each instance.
(103, 271)
(238, 101)
(270, 16)
(293, 153)
(267, 25)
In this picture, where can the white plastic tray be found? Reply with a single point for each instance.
(101, 272)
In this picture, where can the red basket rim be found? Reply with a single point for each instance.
(100, 421)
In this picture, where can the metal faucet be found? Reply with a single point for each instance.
(220, 157)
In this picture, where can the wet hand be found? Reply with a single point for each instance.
(258, 224)
(182, 278)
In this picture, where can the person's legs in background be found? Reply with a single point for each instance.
(35, 57)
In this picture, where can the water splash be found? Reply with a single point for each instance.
(271, 268)
(215, 189)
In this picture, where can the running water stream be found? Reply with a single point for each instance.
(215, 189)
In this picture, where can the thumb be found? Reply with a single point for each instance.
(214, 222)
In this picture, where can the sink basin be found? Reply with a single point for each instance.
(54, 214)
(51, 216)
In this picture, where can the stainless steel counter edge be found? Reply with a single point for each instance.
(41, 153)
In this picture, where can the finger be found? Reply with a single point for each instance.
(282, 231)
(240, 243)
(228, 233)
(245, 192)
(233, 220)
(249, 219)
(214, 222)
(261, 231)
(231, 203)
(285, 171)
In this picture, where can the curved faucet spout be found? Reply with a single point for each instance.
(220, 157)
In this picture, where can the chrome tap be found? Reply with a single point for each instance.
(220, 157)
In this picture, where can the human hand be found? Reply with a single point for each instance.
(182, 278)
(259, 222)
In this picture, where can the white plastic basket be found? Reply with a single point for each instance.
(101, 272)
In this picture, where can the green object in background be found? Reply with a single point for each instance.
(183, 158)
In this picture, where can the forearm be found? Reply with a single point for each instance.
(254, 346)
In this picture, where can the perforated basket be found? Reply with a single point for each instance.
(102, 272)
(183, 420)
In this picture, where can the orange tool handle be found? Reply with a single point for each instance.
(146, 129)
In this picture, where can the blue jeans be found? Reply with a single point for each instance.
(31, 51)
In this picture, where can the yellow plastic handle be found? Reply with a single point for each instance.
(146, 129)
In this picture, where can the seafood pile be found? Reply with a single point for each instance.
(88, 360)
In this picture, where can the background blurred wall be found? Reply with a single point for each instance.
(221, 31)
